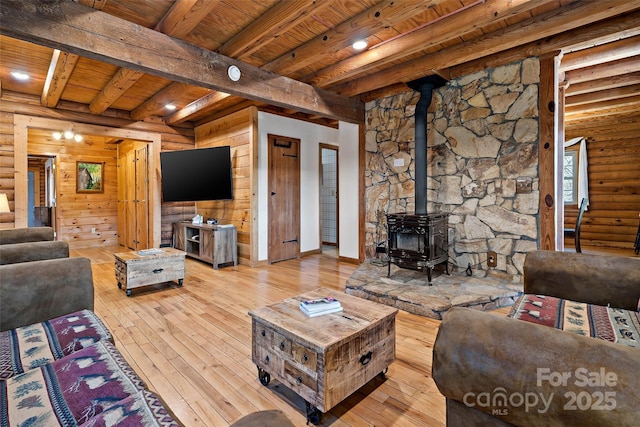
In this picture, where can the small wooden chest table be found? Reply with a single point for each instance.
(134, 269)
(326, 358)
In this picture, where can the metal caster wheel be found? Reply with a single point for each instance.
(128, 292)
(264, 377)
(383, 373)
(313, 414)
(180, 282)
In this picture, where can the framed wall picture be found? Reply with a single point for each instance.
(90, 177)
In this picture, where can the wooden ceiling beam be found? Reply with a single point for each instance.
(260, 32)
(625, 106)
(618, 27)
(563, 19)
(159, 101)
(383, 15)
(467, 20)
(602, 95)
(183, 16)
(199, 106)
(609, 69)
(620, 49)
(277, 20)
(100, 36)
(121, 81)
(60, 69)
(603, 84)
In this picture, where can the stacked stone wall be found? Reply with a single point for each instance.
(482, 136)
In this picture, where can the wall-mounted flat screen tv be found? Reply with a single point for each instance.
(196, 175)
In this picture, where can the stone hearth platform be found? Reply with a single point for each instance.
(408, 290)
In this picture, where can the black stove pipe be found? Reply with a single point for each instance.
(425, 86)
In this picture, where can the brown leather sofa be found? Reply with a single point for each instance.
(23, 235)
(36, 291)
(33, 251)
(497, 371)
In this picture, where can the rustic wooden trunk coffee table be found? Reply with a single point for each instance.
(148, 267)
(323, 359)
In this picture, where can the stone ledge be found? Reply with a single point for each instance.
(408, 290)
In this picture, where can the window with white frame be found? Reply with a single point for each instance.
(570, 177)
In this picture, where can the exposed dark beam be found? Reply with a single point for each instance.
(77, 29)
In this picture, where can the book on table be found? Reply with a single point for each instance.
(320, 306)
(321, 312)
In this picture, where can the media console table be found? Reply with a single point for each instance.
(214, 244)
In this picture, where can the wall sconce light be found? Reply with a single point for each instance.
(4, 203)
(67, 134)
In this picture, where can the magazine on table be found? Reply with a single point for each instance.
(319, 304)
(321, 312)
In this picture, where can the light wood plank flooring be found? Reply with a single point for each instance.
(192, 344)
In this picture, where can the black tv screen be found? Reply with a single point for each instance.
(196, 175)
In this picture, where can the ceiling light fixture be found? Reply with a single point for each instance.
(67, 135)
(20, 75)
(360, 44)
(170, 107)
(234, 73)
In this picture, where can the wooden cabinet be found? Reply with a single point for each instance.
(215, 244)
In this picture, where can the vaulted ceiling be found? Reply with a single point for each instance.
(295, 57)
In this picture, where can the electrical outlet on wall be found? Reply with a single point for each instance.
(492, 259)
(523, 185)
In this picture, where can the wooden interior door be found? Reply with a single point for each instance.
(130, 197)
(284, 198)
(133, 195)
(122, 199)
(141, 199)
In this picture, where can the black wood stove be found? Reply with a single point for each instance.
(419, 241)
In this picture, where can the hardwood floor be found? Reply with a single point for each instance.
(192, 344)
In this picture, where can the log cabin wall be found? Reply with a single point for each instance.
(239, 131)
(613, 154)
(11, 103)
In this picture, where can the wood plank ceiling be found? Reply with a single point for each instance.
(134, 57)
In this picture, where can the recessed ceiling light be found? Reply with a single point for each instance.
(360, 44)
(20, 75)
(170, 107)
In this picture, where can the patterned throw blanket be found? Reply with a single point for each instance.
(607, 323)
(29, 347)
(90, 387)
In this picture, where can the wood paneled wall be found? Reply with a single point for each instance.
(87, 212)
(239, 131)
(613, 153)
